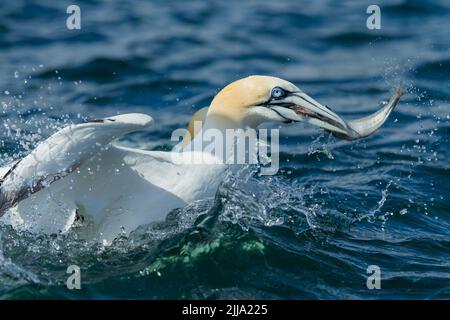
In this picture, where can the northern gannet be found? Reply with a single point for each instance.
(78, 172)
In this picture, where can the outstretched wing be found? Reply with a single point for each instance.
(61, 153)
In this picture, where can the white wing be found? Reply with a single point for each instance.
(57, 156)
(78, 173)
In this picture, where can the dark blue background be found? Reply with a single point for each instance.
(311, 231)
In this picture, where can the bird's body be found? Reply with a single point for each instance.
(77, 180)
(112, 191)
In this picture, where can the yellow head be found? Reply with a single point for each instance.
(241, 102)
(250, 101)
(256, 99)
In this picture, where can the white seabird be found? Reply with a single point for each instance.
(78, 172)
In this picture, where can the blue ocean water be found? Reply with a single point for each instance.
(311, 231)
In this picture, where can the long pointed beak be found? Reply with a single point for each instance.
(299, 106)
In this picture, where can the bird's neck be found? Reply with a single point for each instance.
(222, 124)
(221, 133)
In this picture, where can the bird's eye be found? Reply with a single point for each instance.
(278, 93)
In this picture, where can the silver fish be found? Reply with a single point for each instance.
(299, 107)
(364, 127)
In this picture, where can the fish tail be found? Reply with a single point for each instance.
(399, 92)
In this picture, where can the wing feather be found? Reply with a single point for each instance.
(62, 153)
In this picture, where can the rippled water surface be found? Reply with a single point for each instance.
(309, 232)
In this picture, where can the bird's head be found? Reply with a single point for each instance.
(250, 101)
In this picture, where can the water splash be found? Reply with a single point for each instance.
(319, 147)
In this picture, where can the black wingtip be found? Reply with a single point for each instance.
(99, 120)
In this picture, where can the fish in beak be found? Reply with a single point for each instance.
(297, 106)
